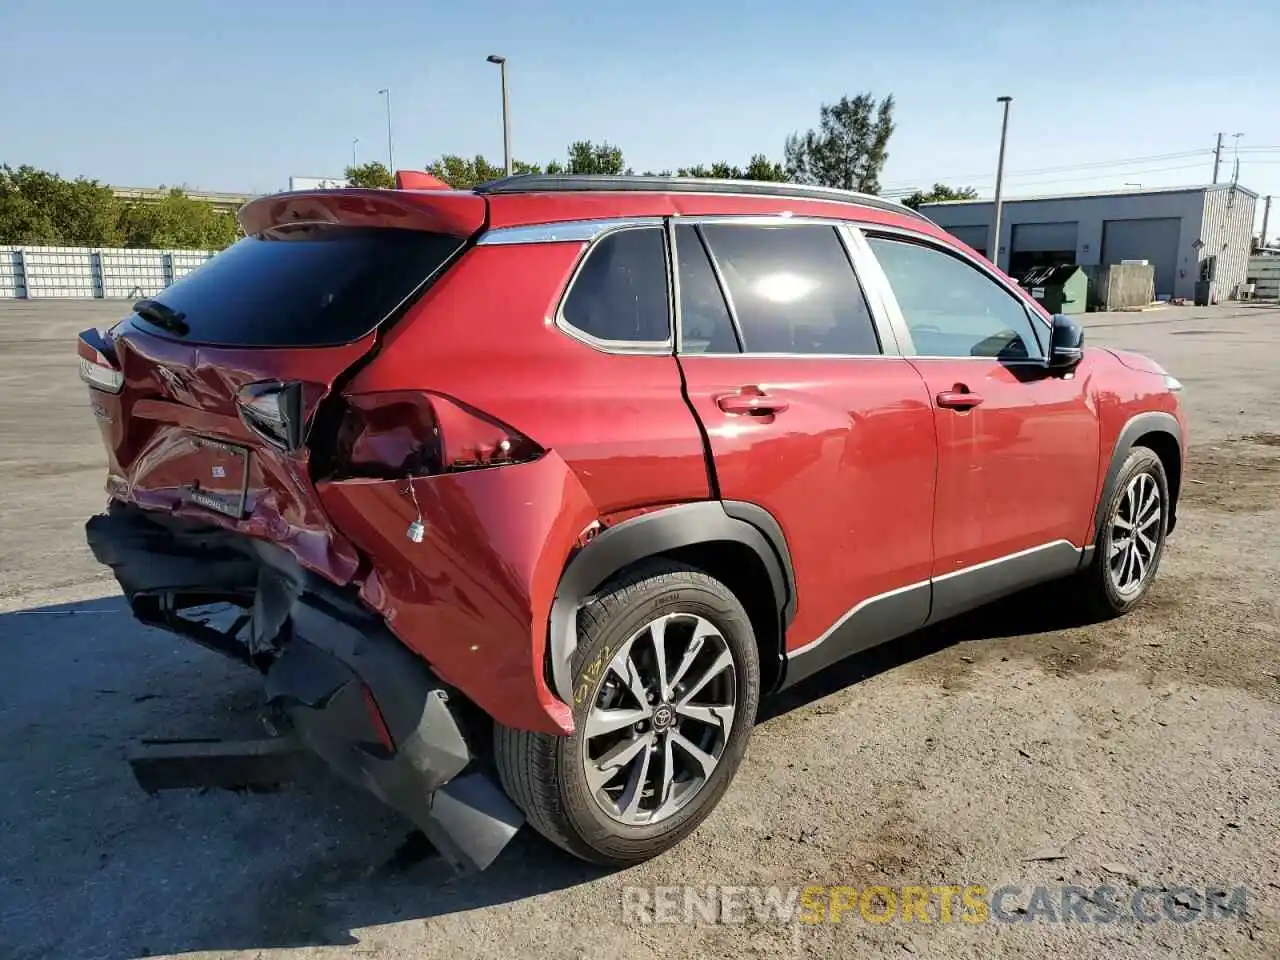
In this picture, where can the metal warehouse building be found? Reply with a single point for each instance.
(1186, 233)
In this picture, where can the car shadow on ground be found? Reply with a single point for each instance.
(95, 867)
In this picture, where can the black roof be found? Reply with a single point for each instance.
(570, 183)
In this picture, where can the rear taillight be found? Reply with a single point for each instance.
(413, 433)
(98, 362)
(274, 412)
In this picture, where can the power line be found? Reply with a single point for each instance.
(1090, 176)
(1086, 165)
(1103, 176)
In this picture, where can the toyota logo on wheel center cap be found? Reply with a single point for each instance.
(663, 716)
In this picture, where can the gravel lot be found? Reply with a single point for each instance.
(1142, 752)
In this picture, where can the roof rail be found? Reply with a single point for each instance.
(578, 182)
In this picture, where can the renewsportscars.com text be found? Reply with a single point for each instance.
(939, 903)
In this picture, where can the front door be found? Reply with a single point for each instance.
(811, 413)
(1017, 445)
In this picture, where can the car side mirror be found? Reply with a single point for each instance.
(1066, 343)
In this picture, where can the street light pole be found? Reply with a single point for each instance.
(506, 113)
(355, 151)
(391, 163)
(993, 245)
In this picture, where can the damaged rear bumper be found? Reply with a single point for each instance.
(356, 696)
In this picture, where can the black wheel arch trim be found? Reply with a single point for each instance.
(1140, 425)
(654, 533)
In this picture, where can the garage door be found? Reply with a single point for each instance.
(1040, 237)
(1154, 240)
(975, 235)
(1042, 245)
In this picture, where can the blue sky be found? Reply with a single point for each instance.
(239, 95)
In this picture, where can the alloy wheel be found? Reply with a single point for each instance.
(661, 719)
(1135, 534)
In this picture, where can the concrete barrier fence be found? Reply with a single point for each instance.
(28, 273)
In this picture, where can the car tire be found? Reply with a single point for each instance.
(664, 789)
(1124, 566)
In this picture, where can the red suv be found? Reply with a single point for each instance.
(524, 497)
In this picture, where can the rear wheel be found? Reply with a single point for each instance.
(1131, 540)
(666, 683)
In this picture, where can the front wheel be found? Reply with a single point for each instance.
(666, 683)
(1131, 540)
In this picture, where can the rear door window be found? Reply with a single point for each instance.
(793, 289)
(705, 324)
(620, 292)
(312, 287)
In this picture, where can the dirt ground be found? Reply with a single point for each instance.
(1015, 746)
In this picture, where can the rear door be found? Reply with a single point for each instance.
(812, 414)
(1017, 446)
(221, 374)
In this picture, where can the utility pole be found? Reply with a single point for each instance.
(1266, 215)
(1217, 158)
(506, 113)
(391, 163)
(993, 245)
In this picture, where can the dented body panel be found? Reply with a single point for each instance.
(173, 433)
(473, 598)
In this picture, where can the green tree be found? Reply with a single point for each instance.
(938, 194)
(849, 148)
(594, 158)
(177, 222)
(464, 174)
(22, 221)
(45, 208)
(760, 168)
(371, 174)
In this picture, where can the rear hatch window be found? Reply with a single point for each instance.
(301, 286)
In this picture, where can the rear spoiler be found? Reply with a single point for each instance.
(419, 180)
(440, 210)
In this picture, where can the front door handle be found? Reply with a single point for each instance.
(753, 404)
(959, 399)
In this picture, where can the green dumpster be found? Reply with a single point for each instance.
(1059, 289)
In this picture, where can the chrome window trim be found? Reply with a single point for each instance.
(933, 243)
(756, 220)
(885, 335)
(673, 282)
(871, 279)
(566, 231)
(800, 356)
(644, 347)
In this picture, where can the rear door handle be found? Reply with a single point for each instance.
(958, 399)
(754, 404)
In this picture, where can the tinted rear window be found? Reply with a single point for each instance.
(313, 287)
(620, 293)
